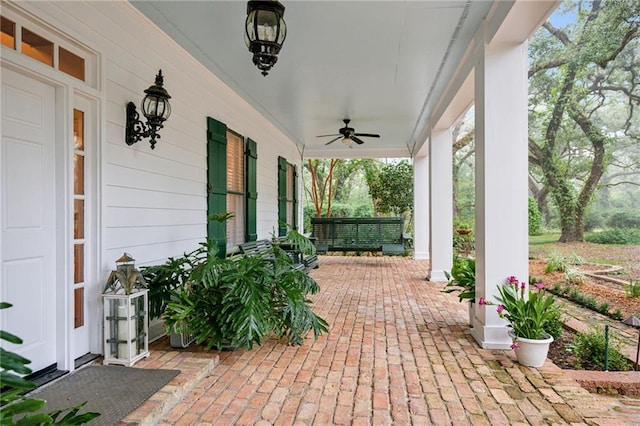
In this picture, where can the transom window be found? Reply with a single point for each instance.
(46, 46)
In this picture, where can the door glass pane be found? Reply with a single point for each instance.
(37, 47)
(78, 219)
(78, 129)
(78, 174)
(71, 63)
(8, 33)
(78, 263)
(78, 307)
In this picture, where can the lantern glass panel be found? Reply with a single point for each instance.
(283, 32)
(267, 25)
(250, 33)
(154, 106)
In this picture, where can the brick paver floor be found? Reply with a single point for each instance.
(398, 352)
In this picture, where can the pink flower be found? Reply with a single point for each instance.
(539, 286)
(512, 280)
(500, 308)
(482, 301)
(514, 345)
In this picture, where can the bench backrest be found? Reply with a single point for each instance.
(258, 248)
(358, 232)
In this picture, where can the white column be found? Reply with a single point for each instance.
(441, 204)
(501, 181)
(421, 208)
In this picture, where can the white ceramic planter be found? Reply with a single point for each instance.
(532, 352)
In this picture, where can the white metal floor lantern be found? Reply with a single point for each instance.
(126, 315)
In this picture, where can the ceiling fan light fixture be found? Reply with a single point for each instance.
(265, 32)
(347, 141)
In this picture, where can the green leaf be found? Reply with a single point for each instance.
(12, 338)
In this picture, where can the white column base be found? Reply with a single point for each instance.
(488, 337)
(421, 255)
(437, 276)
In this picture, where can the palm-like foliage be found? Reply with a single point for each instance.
(241, 301)
(462, 278)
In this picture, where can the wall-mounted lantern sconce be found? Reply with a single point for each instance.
(155, 107)
(265, 31)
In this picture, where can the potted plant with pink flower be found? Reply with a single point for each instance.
(530, 313)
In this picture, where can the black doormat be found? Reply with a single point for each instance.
(112, 391)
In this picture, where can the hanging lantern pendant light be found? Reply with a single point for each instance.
(265, 31)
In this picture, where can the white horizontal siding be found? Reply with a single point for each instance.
(154, 203)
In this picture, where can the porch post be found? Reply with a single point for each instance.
(501, 181)
(440, 204)
(421, 208)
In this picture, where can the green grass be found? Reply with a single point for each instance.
(536, 240)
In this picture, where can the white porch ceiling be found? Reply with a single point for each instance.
(383, 64)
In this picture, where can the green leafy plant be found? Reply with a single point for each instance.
(167, 277)
(535, 217)
(299, 241)
(633, 288)
(590, 347)
(572, 293)
(464, 240)
(575, 259)
(574, 276)
(240, 301)
(462, 278)
(556, 263)
(529, 313)
(18, 409)
(615, 236)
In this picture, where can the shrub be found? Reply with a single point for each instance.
(464, 242)
(590, 347)
(555, 324)
(363, 210)
(535, 218)
(624, 219)
(615, 236)
(593, 220)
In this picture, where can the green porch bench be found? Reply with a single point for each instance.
(385, 234)
(263, 248)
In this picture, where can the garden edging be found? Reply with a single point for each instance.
(622, 382)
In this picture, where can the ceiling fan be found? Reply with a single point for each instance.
(349, 135)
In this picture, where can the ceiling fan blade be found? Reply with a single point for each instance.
(333, 140)
(322, 136)
(369, 135)
(357, 140)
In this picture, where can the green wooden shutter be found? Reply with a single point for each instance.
(295, 198)
(217, 181)
(282, 196)
(251, 161)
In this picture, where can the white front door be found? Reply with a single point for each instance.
(28, 217)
